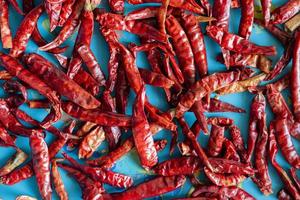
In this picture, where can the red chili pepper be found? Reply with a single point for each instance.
(230, 151)
(247, 17)
(55, 78)
(40, 159)
(122, 91)
(239, 144)
(182, 48)
(215, 141)
(295, 76)
(68, 29)
(216, 105)
(273, 149)
(152, 188)
(198, 110)
(196, 38)
(24, 31)
(57, 181)
(66, 10)
(18, 175)
(224, 180)
(225, 166)
(237, 44)
(53, 10)
(140, 129)
(16, 160)
(6, 36)
(155, 79)
(285, 143)
(6, 137)
(285, 12)
(116, 6)
(266, 10)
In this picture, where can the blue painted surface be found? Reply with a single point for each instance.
(129, 164)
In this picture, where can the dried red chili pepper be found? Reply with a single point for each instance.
(223, 192)
(57, 181)
(116, 6)
(272, 152)
(230, 151)
(55, 78)
(66, 10)
(40, 159)
(295, 76)
(69, 27)
(198, 110)
(91, 142)
(16, 160)
(182, 48)
(6, 36)
(247, 17)
(6, 138)
(141, 132)
(239, 143)
(196, 38)
(225, 166)
(122, 91)
(152, 188)
(266, 10)
(155, 79)
(285, 12)
(237, 44)
(215, 141)
(53, 10)
(24, 31)
(178, 166)
(224, 180)
(18, 175)
(220, 121)
(216, 105)
(285, 143)
(295, 177)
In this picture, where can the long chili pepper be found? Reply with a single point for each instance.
(96, 116)
(223, 192)
(66, 10)
(53, 10)
(247, 17)
(272, 152)
(84, 36)
(16, 160)
(262, 177)
(295, 77)
(224, 180)
(198, 110)
(220, 121)
(90, 189)
(216, 105)
(237, 44)
(196, 38)
(40, 160)
(266, 10)
(162, 15)
(155, 79)
(295, 177)
(68, 28)
(178, 166)
(197, 147)
(55, 78)
(203, 87)
(18, 175)
(152, 188)
(144, 13)
(182, 48)
(230, 152)
(91, 142)
(5, 31)
(285, 12)
(221, 12)
(215, 141)
(225, 166)
(239, 143)
(22, 37)
(140, 129)
(285, 143)
(57, 181)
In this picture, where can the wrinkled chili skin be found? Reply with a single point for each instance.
(266, 10)
(40, 159)
(236, 43)
(224, 180)
(225, 166)
(18, 175)
(196, 38)
(53, 10)
(215, 141)
(285, 12)
(285, 143)
(247, 18)
(22, 37)
(152, 188)
(116, 6)
(6, 36)
(122, 91)
(295, 76)
(66, 10)
(16, 160)
(182, 48)
(239, 143)
(57, 181)
(143, 139)
(55, 78)
(230, 152)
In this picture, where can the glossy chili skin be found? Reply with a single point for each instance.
(239, 143)
(182, 48)
(24, 31)
(68, 28)
(224, 180)
(196, 38)
(155, 79)
(6, 36)
(40, 160)
(266, 10)
(236, 43)
(285, 12)
(230, 152)
(295, 77)
(55, 78)
(215, 141)
(152, 188)
(53, 10)
(143, 140)
(66, 10)
(57, 181)
(247, 17)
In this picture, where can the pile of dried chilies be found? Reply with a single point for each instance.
(173, 41)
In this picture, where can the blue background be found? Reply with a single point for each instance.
(129, 164)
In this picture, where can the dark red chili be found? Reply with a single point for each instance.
(6, 36)
(285, 12)
(215, 141)
(247, 17)
(295, 77)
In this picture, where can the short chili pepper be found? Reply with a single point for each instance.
(285, 12)
(6, 36)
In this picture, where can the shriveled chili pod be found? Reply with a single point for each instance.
(40, 159)
(18, 175)
(215, 141)
(16, 160)
(6, 36)
(285, 12)
(57, 181)
(224, 180)
(230, 152)
(152, 188)
(247, 17)
(53, 10)
(6, 137)
(239, 143)
(122, 91)
(216, 105)
(225, 166)
(266, 10)
(295, 77)
(91, 142)
(66, 10)
(155, 79)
